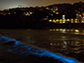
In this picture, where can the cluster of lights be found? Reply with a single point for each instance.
(7, 13)
(65, 20)
(28, 13)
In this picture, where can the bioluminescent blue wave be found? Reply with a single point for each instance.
(22, 49)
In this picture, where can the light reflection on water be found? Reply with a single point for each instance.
(54, 41)
(22, 49)
(70, 46)
(71, 31)
(65, 41)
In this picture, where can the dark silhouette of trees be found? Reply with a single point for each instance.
(16, 18)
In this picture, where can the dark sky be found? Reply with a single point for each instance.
(5, 4)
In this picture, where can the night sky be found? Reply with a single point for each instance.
(5, 4)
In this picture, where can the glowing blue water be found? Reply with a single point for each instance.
(22, 49)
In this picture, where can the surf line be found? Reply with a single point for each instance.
(22, 49)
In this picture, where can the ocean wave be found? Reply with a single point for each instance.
(22, 49)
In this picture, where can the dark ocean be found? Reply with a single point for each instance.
(43, 46)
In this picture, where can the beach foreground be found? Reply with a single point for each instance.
(13, 51)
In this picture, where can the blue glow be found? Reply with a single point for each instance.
(22, 49)
(5, 39)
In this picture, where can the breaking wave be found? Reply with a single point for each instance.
(22, 49)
